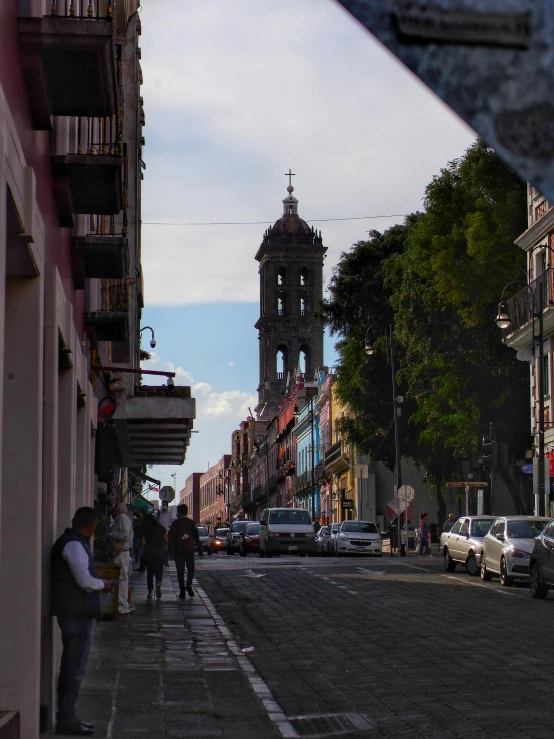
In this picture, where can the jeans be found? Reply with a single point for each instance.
(123, 559)
(76, 640)
(182, 560)
(154, 569)
(424, 544)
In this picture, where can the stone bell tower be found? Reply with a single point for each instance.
(291, 287)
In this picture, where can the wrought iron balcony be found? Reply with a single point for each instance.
(69, 61)
(111, 322)
(302, 482)
(334, 456)
(520, 306)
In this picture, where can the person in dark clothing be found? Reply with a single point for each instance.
(450, 521)
(153, 542)
(183, 540)
(137, 536)
(76, 604)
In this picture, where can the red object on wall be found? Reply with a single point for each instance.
(550, 457)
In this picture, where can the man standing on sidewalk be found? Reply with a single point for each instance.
(121, 532)
(183, 540)
(165, 518)
(76, 603)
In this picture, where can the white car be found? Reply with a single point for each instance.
(328, 542)
(463, 544)
(359, 537)
(507, 546)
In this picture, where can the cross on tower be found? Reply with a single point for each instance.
(290, 174)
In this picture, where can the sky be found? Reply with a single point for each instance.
(236, 92)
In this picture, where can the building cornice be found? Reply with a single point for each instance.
(537, 231)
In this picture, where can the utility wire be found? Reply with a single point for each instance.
(262, 223)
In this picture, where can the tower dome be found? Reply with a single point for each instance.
(290, 222)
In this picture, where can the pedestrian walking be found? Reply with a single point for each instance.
(183, 540)
(121, 533)
(165, 518)
(424, 534)
(316, 524)
(137, 536)
(76, 604)
(449, 522)
(154, 541)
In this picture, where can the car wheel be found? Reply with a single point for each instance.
(472, 568)
(449, 564)
(537, 587)
(505, 579)
(485, 574)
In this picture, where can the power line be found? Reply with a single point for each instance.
(263, 223)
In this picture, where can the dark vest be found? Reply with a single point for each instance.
(68, 599)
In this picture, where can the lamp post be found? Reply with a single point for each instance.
(152, 340)
(369, 350)
(503, 321)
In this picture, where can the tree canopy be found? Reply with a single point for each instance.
(436, 279)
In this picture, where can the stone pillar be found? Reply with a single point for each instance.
(21, 504)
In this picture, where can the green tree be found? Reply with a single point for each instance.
(438, 278)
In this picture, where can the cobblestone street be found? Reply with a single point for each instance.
(401, 647)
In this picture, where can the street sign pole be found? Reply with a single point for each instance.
(466, 486)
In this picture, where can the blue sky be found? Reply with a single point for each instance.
(235, 93)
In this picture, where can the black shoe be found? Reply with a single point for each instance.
(182, 595)
(87, 724)
(158, 591)
(79, 729)
(190, 591)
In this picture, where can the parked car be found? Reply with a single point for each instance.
(205, 539)
(286, 531)
(359, 537)
(320, 535)
(541, 563)
(328, 543)
(250, 539)
(507, 546)
(232, 544)
(463, 544)
(219, 540)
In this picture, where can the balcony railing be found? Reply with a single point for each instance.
(520, 307)
(303, 482)
(115, 295)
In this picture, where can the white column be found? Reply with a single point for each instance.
(21, 510)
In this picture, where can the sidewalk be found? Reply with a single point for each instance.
(167, 671)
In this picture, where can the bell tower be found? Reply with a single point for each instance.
(291, 287)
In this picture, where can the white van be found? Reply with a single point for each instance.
(286, 531)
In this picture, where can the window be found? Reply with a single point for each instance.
(456, 528)
(550, 530)
(281, 305)
(501, 528)
(281, 276)
(546, 374)
(281, 362)
(480, 527)
(304, 360)
(465, 527)
(304, 306)
(304, 277)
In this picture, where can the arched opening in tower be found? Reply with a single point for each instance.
(282, 360)
(304, 360)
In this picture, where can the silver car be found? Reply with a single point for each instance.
(323, 531)
(328, 540)
(463, 544)
(359, 537)
(204, 539)
(507, 546)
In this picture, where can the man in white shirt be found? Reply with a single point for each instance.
(76, 603)
(121, 533)
(165, 518)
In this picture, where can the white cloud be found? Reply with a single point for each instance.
(231, 363)
(210, 404)
(235, 93)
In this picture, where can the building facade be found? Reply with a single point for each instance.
(77, 424)
(190, 496)
(214, 506)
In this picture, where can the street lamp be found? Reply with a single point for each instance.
(152, 340)
(397, 412)
(503, 320)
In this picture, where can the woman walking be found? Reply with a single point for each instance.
(154, 541)
(424, 534)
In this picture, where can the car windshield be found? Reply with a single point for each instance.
(323, 530)
(252, 529)
(524, 529)
(239, 526)
(295, 515)
(360, 527)
(202, 531)
(221, 532)
(480, 526)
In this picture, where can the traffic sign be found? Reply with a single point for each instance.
(466, 484)
(527, 469)
(167, 493)
(406, 492)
